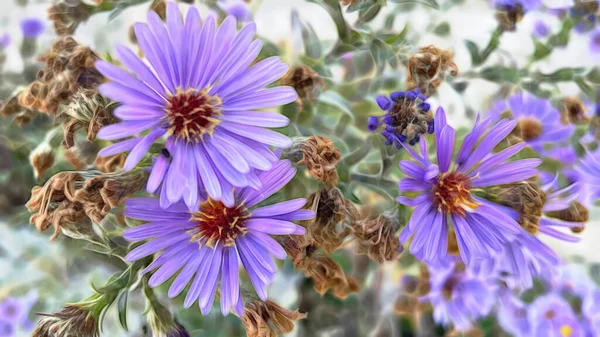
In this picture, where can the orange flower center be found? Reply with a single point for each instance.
(218, 223)
(452, 194)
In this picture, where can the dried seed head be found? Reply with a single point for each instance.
(87, 110)
(335, 217)
(527, 129)
(573, 111)
(575, 213)
(526, 198)
(307, 83)
(72, 321)
(377, 239)
(508, 16)
(160, 7)
(427, 69)
(66, 15)
(68, 68)
(319, 155)
(268, 319)
(110, 164)
(41, 159)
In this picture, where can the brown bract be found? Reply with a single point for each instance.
(70, 199)
(376, 237)
(268, 319)
(69, 67)
(526, 198)
(72, 321)
(66, 15)
(87, 110)
(428, 68)
(321, 157)
(307, 83)
(323, 270)
(572, 111)
(509, 16)
(334, 218)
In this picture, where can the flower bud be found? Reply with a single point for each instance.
(72, 321)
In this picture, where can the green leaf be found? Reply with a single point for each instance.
(562, 38)
(336, 100)
(121, 6)
(367, 14)
(586, 88)
(122, 308)
(541, 50)
(430, 3)
(443, 29)
(501, 74)
(310, 41)
(395, 39)
(474, 51)
(594, 75)
(334, 10)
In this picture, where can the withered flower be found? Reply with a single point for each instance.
(412, 287)
(335, 217)
(318, 154)
(72, 321)
(66, 15)
(508, 16)
(88, 110)
(268, 319)
(428, 68)
(572, 111)
(69, 67)
(323, 270)
(41, 159)
(576, 212)
(70, 199)
(527, 198)
(11, 107)
(376, 237)
(110, 164)
(307, 83)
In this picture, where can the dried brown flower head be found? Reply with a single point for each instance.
(307, 83)
(323, 270)
(334, 219)
(526, 198)
(41, 160)
(110, 163)
(69, 67)
(72, 321)
(428, 68)
(575, 213)
(87, 110)
(573, 111)
(268, 319)
(66, 15)
(70, 199)
(321, 157)
(509, 16)
(11, 107)
(376, 237)
(160, 7)
(412, 287)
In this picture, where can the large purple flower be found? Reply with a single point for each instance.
(538, 121)
(208, 243)
(459, 295)
(512, 314)
(202, 92)
(445, 192)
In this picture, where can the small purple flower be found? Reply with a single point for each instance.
(4, 41)
(7, 328)
(550, 315)
(538, 121)
(201, 91)
(591, 311)
(458, 295)
(595, 41)
(540, 29)
(238, 8)
(32, 28)
(528, 5)
(205, 245)
(14, 312)
(407, 117)
(445, 195)
(588, 169)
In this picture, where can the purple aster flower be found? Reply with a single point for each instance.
(512, 315)
(538, 121)
(595, 41)
(208, 242)
(540, 29)
(407, 117)
(528, 5)
(458, 295)
(591, 311)
(32, 28)
(552, 316)
(238, 8)
(588, 176)
(445, 199)
(201, 92)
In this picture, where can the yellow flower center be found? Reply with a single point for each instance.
(566, 331)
